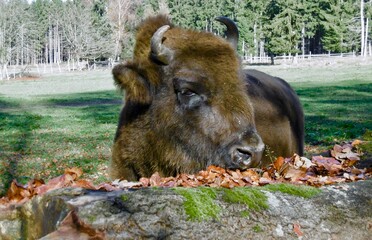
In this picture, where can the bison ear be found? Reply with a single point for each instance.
(128, 77)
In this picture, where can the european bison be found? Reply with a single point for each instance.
(189, 104)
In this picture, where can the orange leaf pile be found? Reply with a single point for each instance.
(318, 171)
(213, 176)
(18, 194)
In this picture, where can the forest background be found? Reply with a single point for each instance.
(56, 31)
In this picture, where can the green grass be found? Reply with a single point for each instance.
(42, 134)
(335, 112)
(337, 98)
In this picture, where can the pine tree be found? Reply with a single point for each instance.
(285, 25)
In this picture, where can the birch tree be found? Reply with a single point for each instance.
(82, 39)
(122, 17)
(365, 9)
(17, 36)
(362, 27)
(5, 39)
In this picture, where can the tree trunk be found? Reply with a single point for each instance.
(255, 40)
(243, 50)
(21, 57)
(50, 35)
(366, 39)
(362, 48)
(303, 41)
(272, 58)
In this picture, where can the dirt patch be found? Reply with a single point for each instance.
(59, 83)
(27, 78)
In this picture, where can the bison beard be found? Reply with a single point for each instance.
(188, 104)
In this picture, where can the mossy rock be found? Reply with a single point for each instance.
(203, 203)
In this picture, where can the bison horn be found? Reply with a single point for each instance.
(232, 33)
(160, 53)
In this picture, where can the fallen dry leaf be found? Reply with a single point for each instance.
(356, 142)
(324, 161)
(216, 169)
(74, 172)
(297, 230)
(17, 192)
(155, 179)
(278, 163)
(302, 162)
(83, 183)
(74, 228)
(145, 181)
(345, 152)
(294, 174)
(107, 187)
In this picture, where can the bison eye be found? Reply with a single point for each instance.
(189, 99)
(187, 93)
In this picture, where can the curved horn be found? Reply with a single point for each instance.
(232, 33)
(159, 53)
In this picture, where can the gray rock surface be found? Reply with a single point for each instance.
(339, 212)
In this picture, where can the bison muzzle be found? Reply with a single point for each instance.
(189, 104)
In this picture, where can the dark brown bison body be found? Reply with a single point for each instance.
(187, 107)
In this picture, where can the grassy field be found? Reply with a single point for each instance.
(337, 99)
(67, 120)
(46, 130)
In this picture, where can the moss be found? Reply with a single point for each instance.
(91, 218)
(257, 228)
(252, 197)
(296, 190)
(244, 213)
(336, 215)
(156, 188)
(124, 197)
(367, 145)
(200, 203)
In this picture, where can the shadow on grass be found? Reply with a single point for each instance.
(336, 113)
(6, 103)
(99, 107)
(108, 114)
(325, 131)
(16, 131)
(86, 99)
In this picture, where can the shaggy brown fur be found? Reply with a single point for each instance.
(195, 111)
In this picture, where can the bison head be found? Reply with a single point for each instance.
(186, 104)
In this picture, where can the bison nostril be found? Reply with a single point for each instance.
(242, 156)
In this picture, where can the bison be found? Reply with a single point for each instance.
(189, 104)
